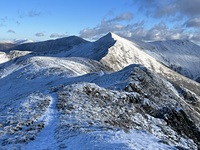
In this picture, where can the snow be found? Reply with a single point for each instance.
(180, 55)
(22, 41)
(3, 57)
(133, 140)
(6, 57)
(138, 139)
(42, 72)
(46, 139)
(52, 65)
(84, 110)
(117, 52)
(125, 52)
(59, 133)
(54, 102)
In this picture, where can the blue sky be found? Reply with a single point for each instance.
(143, 19)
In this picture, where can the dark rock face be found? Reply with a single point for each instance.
(147, 103)
(171, 108)
(181, 123)
(101, 108)
(198, 79)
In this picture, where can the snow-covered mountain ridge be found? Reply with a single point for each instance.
(50, 45)
(5, 45)
(108, 94)
(182, 56)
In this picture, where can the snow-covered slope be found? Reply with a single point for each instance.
(51, 45)
(11, 56)
(18, 41)
(182, 56)
(125, 52)
(6, 45)
(47, 66)
(129, 109)
(116, 53)
(108, 94)
(41, 71)
(3, 57)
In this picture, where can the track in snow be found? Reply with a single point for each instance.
(46, 138)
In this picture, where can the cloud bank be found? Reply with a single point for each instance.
(169, 19)
(193, 22)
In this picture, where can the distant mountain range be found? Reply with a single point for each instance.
(181, 56)
(113, 93)
(5, 46)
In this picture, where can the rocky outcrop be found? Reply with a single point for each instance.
(148, 103)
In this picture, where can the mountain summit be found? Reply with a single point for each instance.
(113, 93)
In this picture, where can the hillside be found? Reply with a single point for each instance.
(50, 45)
(5, 46)
(180, 55)
(108, 94)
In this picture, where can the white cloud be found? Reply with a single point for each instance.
(39, 34)
(194, 22)
(196, 38)
(11, 31)
(122, 17)
(110, 25)
(137, 30)
(56, 35)
(175, 17)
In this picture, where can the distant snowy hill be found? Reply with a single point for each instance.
(125, 52)
(113, 93)
(6, 45)
(3, 57)
(51, 45)
(182, 56)
(18, 41)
